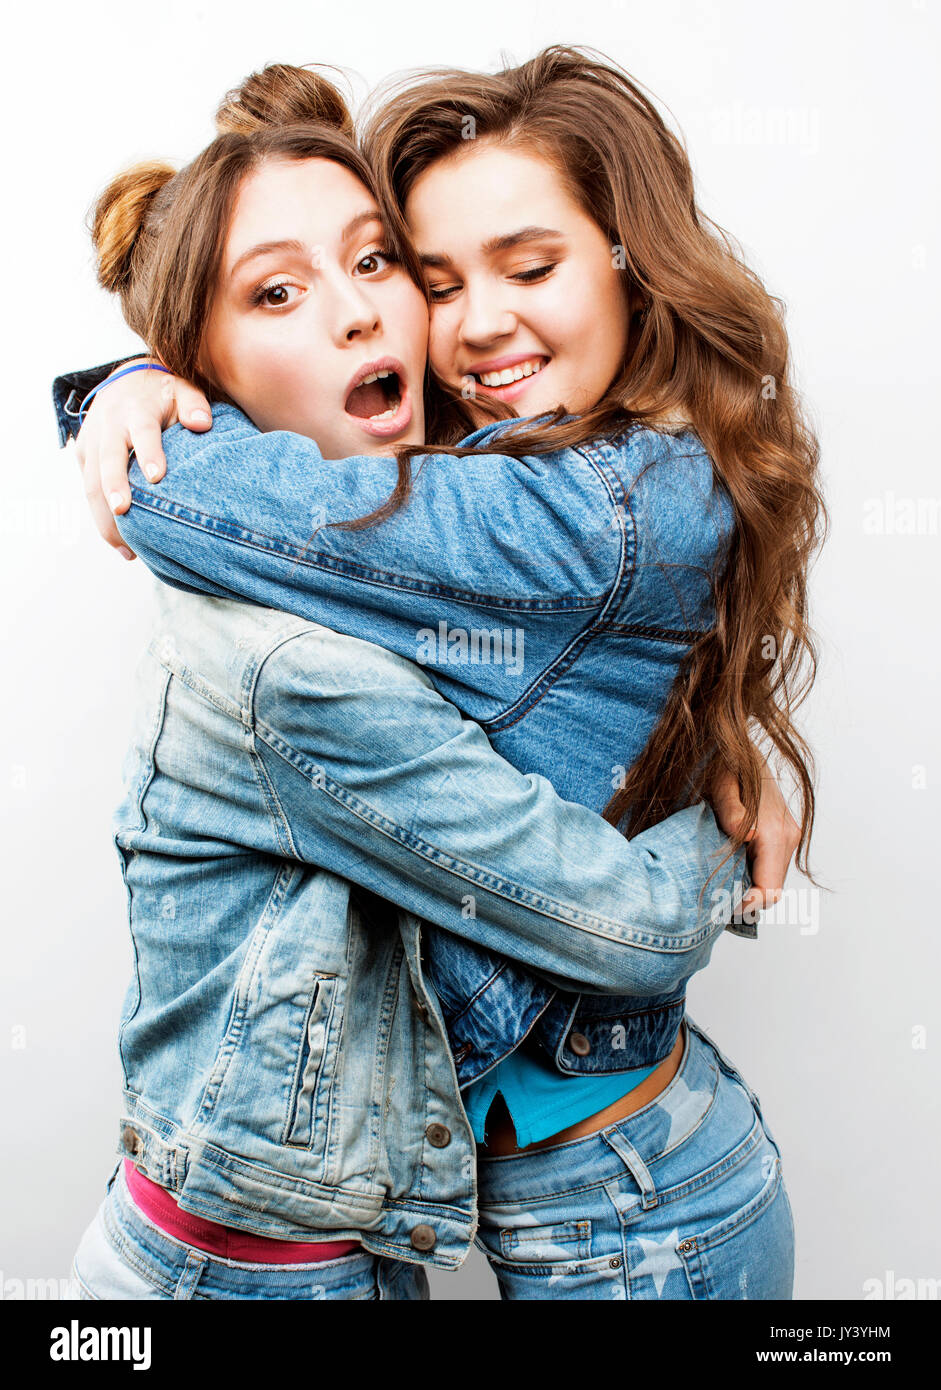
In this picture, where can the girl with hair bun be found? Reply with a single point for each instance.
(611, 568)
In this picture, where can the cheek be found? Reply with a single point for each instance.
(590, 320)
(410, 313)
(268, 357)
(442, 337)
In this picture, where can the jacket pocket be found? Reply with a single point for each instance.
(310, 1096)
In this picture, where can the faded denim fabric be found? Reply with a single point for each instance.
(286, 1066)
(552, 599)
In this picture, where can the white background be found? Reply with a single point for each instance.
(813, 130)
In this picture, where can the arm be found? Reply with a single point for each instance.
(325, 576)
(538, 544)
(382, 781)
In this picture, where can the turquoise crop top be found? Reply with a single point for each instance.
(541, 1100)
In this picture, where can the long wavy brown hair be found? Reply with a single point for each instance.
(707, 345)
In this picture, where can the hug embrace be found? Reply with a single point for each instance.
(466, 454)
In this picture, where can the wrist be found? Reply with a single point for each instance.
(139, 364)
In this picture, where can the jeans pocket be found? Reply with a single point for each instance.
(600, 1279)
(562, 1241)
(749, 1254)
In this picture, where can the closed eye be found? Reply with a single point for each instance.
(440, 294)
(534, 273)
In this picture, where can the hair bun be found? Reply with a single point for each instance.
(282, 95)
(119, 215)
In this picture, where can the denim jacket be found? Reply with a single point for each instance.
(286, 1065)
(550, 598)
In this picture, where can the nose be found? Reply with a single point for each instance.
(485, 317)
(353, 314)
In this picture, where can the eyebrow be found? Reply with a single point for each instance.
(500, 243)
(265, 248)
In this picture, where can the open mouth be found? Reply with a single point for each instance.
(378, 398)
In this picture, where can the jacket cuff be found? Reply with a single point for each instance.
(69, 390)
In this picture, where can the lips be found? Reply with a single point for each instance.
(378, 398)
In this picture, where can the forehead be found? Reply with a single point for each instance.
(486, 188)
(311, 199)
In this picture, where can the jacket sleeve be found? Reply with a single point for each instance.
(385, 783)
(488, 542)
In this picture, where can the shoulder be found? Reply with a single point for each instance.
(675, 491)
(220, 642)
(227, 421)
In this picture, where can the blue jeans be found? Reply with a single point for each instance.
(684, 1199)
(122, 1255)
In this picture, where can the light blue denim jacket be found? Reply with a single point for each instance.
(286, 1064)
(550, 598)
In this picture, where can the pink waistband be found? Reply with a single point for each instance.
(160, 1208)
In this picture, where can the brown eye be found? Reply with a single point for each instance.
(273, 296)
(374, 262)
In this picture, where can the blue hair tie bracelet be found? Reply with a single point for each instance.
(138, 367)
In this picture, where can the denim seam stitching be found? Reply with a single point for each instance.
(254, 540)
(507, 889)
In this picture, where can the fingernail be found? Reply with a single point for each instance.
(128, 554)
(200, 417)
(114, 500)
(151, 472)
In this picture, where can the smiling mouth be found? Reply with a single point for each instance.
(510, 375)
(377, 397)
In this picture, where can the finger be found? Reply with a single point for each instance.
(752, 903)
(193, 408)
(728, 807)
(768, 869)
(147, 444)
(101, 512)
(113, 462)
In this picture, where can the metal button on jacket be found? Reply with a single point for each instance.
(423, 1238)
(579, 1044)
(131, 1140)
(438, 1135)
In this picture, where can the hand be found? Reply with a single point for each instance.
(772, 842)
(128, 415)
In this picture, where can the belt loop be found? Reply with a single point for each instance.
(634, 1164)
(192, 1272)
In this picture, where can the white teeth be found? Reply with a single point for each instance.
(376, 376)
(510, 374)
(386, 414)
(383, 375)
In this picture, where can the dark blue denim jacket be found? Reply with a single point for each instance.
(551, 599)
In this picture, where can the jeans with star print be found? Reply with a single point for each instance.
(684, 1199)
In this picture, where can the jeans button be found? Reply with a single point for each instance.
(423, 1238)
(579, 1044)
(438, 1135)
